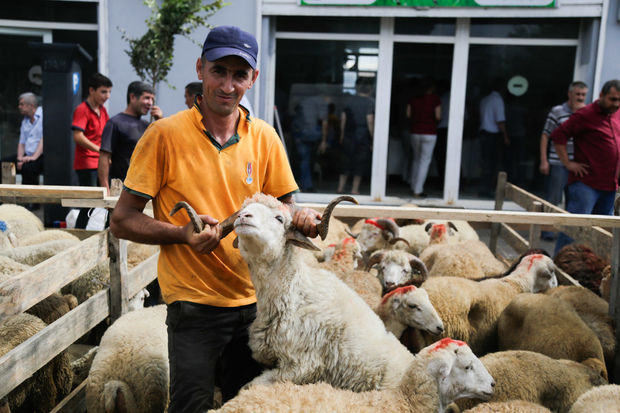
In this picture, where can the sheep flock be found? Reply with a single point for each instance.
(372, 317)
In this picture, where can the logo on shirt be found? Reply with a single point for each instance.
(248, 170)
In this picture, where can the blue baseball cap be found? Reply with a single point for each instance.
(230, 41)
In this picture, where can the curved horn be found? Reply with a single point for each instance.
(375, 258)
(451, 225)
(191, 212)
(396, 239)
(390, 226)
(323, 226)
(228, 224)
(354, 236)
(418, 264)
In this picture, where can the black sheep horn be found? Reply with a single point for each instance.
(323, 226)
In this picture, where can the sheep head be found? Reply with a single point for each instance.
(412, 307)
(542, 271)
(228, 224)
(458, 371)
(396, 267)
(376, 232)
(439, 233)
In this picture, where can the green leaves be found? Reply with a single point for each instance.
(151, 55)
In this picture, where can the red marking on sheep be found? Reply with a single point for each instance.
(373, 222)
(399, 290)
(533, 258)
(445, 342)
(438, 231)
(331, 245)
(349, 240)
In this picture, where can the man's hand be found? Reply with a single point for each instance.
(207, 240)
(156, 112)
(579, 169)
(544, 167)
(305, 220)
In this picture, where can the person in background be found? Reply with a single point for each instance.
(424, 112)
(122, 132)
(556, 174)
(29, 158)
(89, 119)
(493, 135)
(213, 156)
(357, 123)
(593, 174)
(191, 90)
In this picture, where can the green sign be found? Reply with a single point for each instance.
(432, 3)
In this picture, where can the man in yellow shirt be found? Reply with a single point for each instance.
(213, 156)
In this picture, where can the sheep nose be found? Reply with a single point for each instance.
(493, 383)
(439, 329)
(246, 215)
(389, 285)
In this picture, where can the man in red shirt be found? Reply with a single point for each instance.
(89, 118)
(593, 174)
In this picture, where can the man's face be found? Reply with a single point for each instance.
(189, 99)
(26, 108)
(577, 97)
(141, 105)
(100, 95)
(225, 81)
(610, 102)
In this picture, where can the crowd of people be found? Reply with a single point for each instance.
(217, 145)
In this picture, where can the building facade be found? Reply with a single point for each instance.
(313, 55)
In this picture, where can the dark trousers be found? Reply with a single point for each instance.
(30, 170)
(86, 177)
(206, 342)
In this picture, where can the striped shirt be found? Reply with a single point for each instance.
(555, 118)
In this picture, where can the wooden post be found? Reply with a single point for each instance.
(500, 193)
(8, 173)
(118, 276)
(614, 299)
(535, 228)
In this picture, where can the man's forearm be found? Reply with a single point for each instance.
(544, 144)
(562, 154)
(21, 150)
(39, 151)
(82, 140)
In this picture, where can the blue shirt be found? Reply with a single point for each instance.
(30, 133)
(492, 112)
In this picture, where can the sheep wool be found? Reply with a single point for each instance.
(470, 309)
(35, 254)
(132, 359)
(47, 235)
(513, 406)
(10, 267)
(310, 326)
(50, 384)
(547, 325)
(534, 377)
(437, 376)
(601, 399)
(21, 222)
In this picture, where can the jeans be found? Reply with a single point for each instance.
(422, 146)
(583, 199)
(306, 151)
(205, 341)
(86, 177)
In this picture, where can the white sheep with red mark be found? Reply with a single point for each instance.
(470, 309)
(438, 375)
(469, 259)
(383, 233)
(409, 307)
(309, 326)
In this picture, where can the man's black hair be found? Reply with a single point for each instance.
(137, 88)
(614, 83)
(97, 80)
(194, 88)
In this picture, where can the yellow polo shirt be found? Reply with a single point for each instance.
(176, 160)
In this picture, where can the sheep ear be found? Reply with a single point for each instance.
(441, 366)
(300, 240)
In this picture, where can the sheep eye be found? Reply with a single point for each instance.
(413, 306)
(468, 367)
(280, 218)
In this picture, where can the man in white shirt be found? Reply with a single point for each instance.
(29, 158)
(494, 138)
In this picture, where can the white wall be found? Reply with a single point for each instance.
(130, 15)
(611, 59)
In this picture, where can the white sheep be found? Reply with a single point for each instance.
(469, 259)
(534, 377)
(512, 406)
(547, 325)
(470, 309)
(409, 307)
(601, 399)
(47, 235)
(439, 374)
(10, 267)
(309, 326)
(380, 233)
(35, 254)
(397, 268)
(20, 221)
(48, 385)
(131, 364)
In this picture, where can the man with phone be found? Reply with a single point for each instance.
(122, 132)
